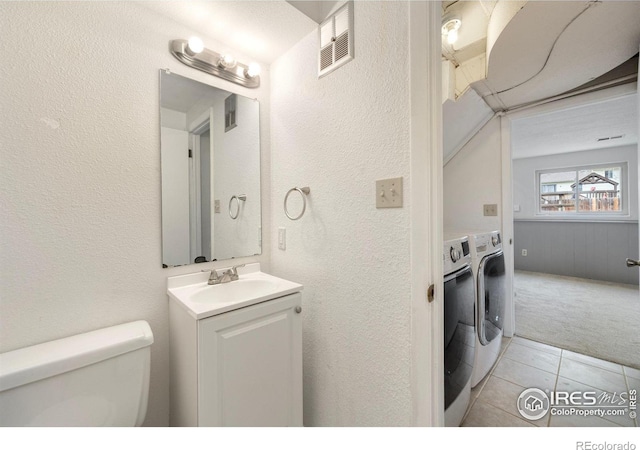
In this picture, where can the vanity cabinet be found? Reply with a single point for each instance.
(239, 368)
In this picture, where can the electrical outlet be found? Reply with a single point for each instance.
(524, 252)
(389, 193)
(491, 210)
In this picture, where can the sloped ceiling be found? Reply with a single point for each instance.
(549, 48)
(533, 50)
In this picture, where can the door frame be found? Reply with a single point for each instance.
(199, 126)
(426, 186)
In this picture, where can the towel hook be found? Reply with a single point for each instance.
(242, 197)
(303, 192)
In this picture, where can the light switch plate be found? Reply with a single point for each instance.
(491, 210)
(389, 193)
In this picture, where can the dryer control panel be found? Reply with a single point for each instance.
(485, 243)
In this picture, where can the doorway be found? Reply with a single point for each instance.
(575, 221)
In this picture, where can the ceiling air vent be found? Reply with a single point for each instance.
(336, 40)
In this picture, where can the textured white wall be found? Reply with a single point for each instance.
(337, 135)
(80, 246)
(474, 178)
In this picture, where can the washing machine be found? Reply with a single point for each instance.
(488, 265)
(459, 328)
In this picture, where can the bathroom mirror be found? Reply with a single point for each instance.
(210, 158)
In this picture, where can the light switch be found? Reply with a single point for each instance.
(216, 206)
(282, 238)
(389, 193)
(491, 210)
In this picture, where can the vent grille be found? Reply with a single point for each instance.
(342, 46)
(609, 138)
(326, 57)
(336, 40)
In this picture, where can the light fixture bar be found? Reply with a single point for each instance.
(209, 61)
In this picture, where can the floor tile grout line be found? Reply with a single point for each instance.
(593, 365)
(529, 365)
(540, 347)
(511, 414)
(593, 387)
(555, 387)
(561, 356)
(485, 380)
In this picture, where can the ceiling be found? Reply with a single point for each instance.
(262, 30)
(525, 62)
(511, 61)
(577, 128)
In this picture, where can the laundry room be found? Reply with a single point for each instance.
(546, 154)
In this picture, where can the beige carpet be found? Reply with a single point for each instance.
(595, 318)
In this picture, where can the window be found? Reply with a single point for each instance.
(582, 190)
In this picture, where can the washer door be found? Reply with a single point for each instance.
(459, 332)
(491, 297)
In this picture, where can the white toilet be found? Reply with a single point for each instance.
(100, 378)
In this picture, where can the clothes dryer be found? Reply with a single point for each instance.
(487, 260)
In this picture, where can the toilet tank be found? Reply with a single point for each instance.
(100, 378)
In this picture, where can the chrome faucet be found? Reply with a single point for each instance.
(227, 276)
(213, 278)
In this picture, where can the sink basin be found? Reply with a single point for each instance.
(234, 291)
(202, 300)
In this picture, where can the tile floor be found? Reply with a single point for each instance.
(523, 364)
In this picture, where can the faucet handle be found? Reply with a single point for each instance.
(234, 271)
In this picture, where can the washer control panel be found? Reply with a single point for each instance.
(456, 254)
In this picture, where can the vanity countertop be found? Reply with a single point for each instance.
(202, 300)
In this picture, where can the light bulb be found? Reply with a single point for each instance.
(195, 45)
(452, 36)
(227, 61)
(450, 29)
(253, 70)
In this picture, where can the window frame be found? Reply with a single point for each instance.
(593, 215)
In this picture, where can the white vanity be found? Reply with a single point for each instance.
(235, 350)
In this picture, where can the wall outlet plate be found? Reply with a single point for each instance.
(491, 210)
(389, 193)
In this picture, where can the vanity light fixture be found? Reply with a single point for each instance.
(450, 29)
(194, 54)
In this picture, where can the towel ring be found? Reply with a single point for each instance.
(303, 192)
(242, 197)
